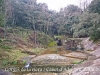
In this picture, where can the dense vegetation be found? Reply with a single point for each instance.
(26, 22)
(71, 21)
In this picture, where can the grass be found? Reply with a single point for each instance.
(77, 62)
(17, 54)
(50, 50)
(13, 57)
(55, 50)
(20, 32)
(37, 50)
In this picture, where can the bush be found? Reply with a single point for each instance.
(4, 62)
(5, 47)
(44, 39)
(51, 44)
(95, 36)
(0, 41)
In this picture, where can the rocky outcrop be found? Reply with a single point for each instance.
(77, 55)
(94, 47)
(2, 72)
(92, 66)
(55, 59)
(89, 67)
(88, 45)
(96, 52)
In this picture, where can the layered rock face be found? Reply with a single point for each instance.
(92, 66)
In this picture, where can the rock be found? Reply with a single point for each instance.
(54, 59)
(92, 65)
(97, 52)
(49, 59)
(91, 70)
(92, 57)
(2, 72)
(96, 62)
(50, 56)
(41, 74)
(88, 45)
(77, 55)
(47, 74)
(85, 64)
(28, 58)
(76, 71)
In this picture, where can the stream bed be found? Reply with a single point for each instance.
(53, 64)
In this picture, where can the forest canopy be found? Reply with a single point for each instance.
(71, 20)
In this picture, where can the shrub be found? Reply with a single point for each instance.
(95, 36)
(0, 41)
(51, 44)
(5, 47)
(4, 62)
(44, 39)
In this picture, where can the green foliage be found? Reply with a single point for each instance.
(11, 62)
(73, 9)
(14, 62)
(24, 62)
(70, 21)
(4, 62)
(87, 23)
(60, 37)
(0, 41)
(78, 62)
(94, 7)
(5, 47)
(1, 13)
(51, 44)
(41, 19)
(95, 36)
(44, 39)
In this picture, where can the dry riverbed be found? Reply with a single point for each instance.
(56, 59)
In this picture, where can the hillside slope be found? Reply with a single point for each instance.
(19, 42)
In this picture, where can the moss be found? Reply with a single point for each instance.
(78, 62)
(51, 44)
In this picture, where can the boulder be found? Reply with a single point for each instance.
(91, 70)
(88, 45)
(2, 72)
(96, 62)
(97, 52)
(54, 59)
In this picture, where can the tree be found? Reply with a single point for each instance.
(87, 24)
(95, 36)
(94, 7)
(1, 12)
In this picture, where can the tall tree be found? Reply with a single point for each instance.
(1, 12)
(94, 7)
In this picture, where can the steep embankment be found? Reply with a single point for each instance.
(91, 66)
(19, 42)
